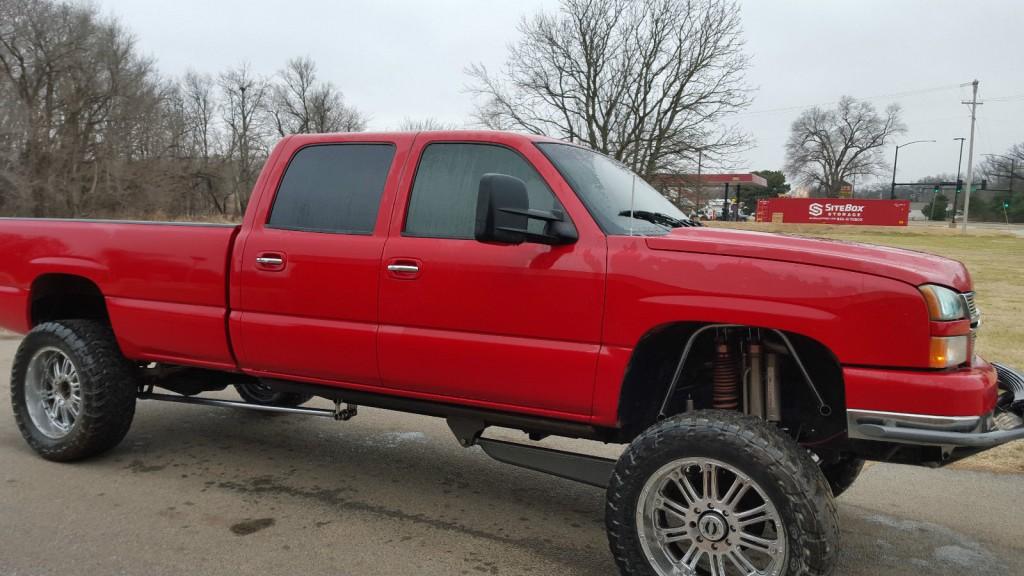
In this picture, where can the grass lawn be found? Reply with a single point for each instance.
(996, 262)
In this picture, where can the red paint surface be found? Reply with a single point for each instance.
(965, 392)
(835, 211)
(544, 330)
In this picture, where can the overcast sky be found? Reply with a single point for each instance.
(405, 58)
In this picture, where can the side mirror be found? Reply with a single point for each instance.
(503, 215)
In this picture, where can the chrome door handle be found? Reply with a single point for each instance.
(403, 268)
(270, 261)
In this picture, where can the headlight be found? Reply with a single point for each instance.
(943, 304)
(948, 352)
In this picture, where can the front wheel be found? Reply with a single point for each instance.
(718, 493)
(260, 393)
(72, 391)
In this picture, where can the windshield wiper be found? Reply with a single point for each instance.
(658, 218)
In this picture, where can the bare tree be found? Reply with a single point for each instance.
(81, 105)
(829, 146)
(303, 105)
(203, 144)
(648, 82)
(1001, 169)
(427, 124)
(88, 127)
(245, 97)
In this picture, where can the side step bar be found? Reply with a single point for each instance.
(336, 414)
(584, 468)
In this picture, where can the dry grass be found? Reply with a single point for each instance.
(996, 262)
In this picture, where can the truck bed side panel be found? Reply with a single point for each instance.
(165, 285)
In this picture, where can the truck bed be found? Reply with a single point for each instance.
(165, 284)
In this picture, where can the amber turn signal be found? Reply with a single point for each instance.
(948, 352)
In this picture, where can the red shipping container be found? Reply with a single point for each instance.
(834, 211)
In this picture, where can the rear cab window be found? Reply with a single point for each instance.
(333, 188)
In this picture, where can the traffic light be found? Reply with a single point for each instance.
(936, 189)
(1006, 204)
(984, 184)
(959, 186)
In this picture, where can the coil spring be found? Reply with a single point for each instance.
(725, 394)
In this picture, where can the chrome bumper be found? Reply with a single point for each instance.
(1004, 425)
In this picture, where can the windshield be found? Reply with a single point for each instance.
(621, 202)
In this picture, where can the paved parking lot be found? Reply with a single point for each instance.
(216, 491)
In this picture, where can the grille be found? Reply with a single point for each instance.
(972, 309)
(975, 316)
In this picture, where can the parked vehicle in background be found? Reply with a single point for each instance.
(497, 279)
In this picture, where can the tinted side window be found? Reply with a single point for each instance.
(333, 188)
(443, 203)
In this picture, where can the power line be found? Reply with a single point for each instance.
(1006, 98)
(877, 97)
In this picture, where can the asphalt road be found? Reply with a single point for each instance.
(215, 491)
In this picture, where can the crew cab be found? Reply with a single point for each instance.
(498, 279)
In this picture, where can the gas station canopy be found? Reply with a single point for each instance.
(745, 179)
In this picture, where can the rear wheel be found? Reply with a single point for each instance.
(264, 395)
(717, 493)
(72, 391)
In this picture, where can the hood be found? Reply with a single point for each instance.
(914, 268)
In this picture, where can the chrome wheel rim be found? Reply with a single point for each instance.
(703, 516)
(53, 392)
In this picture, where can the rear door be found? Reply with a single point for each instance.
(309, 273)
(511, 327)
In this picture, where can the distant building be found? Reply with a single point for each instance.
(707, 194)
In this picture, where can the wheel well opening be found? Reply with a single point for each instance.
(655, 359)
(66, 296)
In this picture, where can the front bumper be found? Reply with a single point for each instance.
(1004, 424)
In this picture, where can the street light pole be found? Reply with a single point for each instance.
(956, 190)
(892, 191)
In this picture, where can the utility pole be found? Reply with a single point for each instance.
(956, 190)
(970, 154)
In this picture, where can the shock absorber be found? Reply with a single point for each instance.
(725, 393)
(755, 382)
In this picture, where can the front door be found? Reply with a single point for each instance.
(509, 327)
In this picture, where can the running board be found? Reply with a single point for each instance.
(333, 414)
(591, 470)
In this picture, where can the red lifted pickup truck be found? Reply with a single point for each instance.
(496, 279)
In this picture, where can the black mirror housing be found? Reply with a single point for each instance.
(503, 215)
(496, 194)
